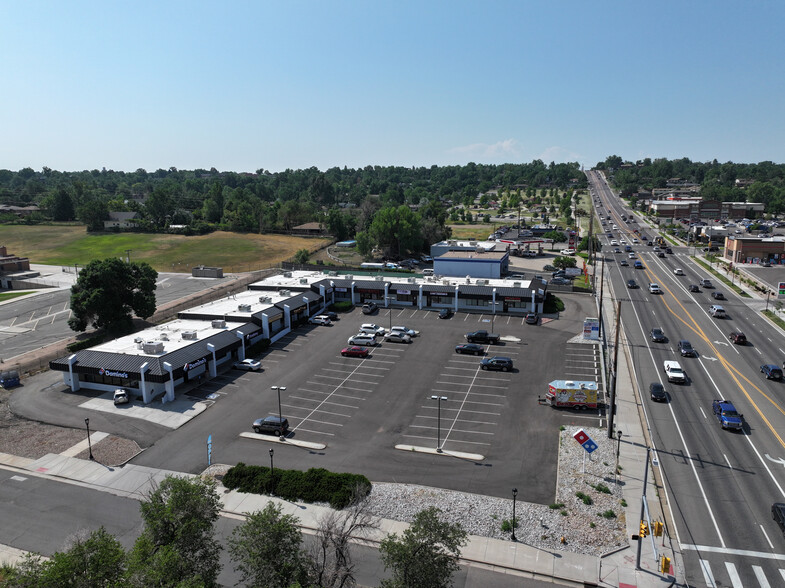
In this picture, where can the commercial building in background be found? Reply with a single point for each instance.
(490, 264)
(755, 249)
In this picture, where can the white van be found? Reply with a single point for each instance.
(427, 272)
(362, 339)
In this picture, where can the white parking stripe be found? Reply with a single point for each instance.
(459, 420)
(445, 441)
(327, 402)
(316, 432)
(762, 580)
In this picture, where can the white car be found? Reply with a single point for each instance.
(614, 242)
(655, 289)
(634, 240)
(250, 365)
(398, 337)
(320, 319)
(678, 271)
(631, 255)
(568, 251)
(121, 396)
(372, 329)
(405, 331)
(426, 258)
(622, 242)
(363, 340)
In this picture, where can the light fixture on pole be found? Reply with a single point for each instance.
(279, 389)
(89, 444)
(438, 400)
(514, 495)
(271, 461)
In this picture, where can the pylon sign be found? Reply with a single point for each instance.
(586, 442)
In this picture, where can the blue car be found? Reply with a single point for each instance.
(638, 265)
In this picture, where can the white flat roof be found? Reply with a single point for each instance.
(170, 334)
(230, 306)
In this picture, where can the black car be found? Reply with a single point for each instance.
(333, 316)
(470, 348)
(772, 372)
(660, 254)
(657, 335)
(445, 313)
(532, 318)
(657, 392)
(693, 288)
(271, 424)
(496, 363)
(737, 337)
(669, 250)
(370, 308)
(718, 296)
(686, 349)
(632, 284)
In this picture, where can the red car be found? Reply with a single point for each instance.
(355, 351)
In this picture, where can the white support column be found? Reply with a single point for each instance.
(169, 394)
(212, 364)
(241, 336)
(145, 392)
(75, 383)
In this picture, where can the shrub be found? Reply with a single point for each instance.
(507, 525)
(608, 514)
(343, 306)
(602, 488)
(556, 505)
(585, 497)
(552, 304)
(624, 503)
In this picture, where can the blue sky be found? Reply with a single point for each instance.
(292, 84)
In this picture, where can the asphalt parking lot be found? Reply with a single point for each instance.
(359, 410)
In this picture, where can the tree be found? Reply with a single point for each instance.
(267, 549)
(301, 257)
(93, 213)
(396, 228)
(564, 262)
(62, 208)
(555, 237)
(584, 244)
(108, 290)
(178, 543)
(426, 555)
(92, 560)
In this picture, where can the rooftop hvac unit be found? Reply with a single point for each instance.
(164, 337)
(219, 324)
(138, 340)
(153, 347)
(482, 282)
(303, 280)
(287, 274)
(332, 273)
(468, 279)
(140, 344)
(244, 308)
(446, 281)
(473, 243)
(265, 299)
(412, 280)
(516, 284)
(379, 278)
(189, 335)
(285, 292)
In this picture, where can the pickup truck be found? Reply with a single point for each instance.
(674, 372)
(727, 415)
(482, 337)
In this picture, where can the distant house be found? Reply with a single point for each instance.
(20, 211)
(121, 220)
(309, 229)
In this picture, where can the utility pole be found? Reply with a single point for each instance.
(612, 409)
(602, 282)
(643, 506)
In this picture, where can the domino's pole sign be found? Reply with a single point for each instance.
(586, 442)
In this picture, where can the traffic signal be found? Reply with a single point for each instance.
(656, 529)
(644, 529)
(665, 564)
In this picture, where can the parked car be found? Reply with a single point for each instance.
(496, 363)
(397, 337)
(470, 348)
(320, 319)
(121, 396)
(738, 338)
(355, 351)
(251, 365)
(426, 258)
(271, 424)
(658, 336)
(568, 251)
(532, 318)
(372, 329)
(370, 308)
(686, 349)
(404, 330)
(445, 313)
(559, 281)
(362, 339)
(333, 316)
(771, 371)
(718, 296)
(693, 288)
(657, 392)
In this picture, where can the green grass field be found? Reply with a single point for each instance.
(70, 244)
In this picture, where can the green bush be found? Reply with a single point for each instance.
(602, 488)
(556, 505)
(342, 306)
(585, 497)
(314, 485)
(608, 514)
(507, 525)
(552, 304)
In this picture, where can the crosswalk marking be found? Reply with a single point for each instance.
(764, 583)
(706, 569)
(734, 575)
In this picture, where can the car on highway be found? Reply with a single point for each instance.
(271, 425)
(362, 339)
(737, 337)
(717, 311)
(674, 372)
(532, 318)
(404, 330)
(706, 283)
(686, 349)
(251, 365)
(445, 313)
(778, 514)
(657, 392)
(727, 415)
(693, 288)
(771, 371)
(372, 329)
(631, 255)
(678, 271)
(638, 264)
(660, 254)
(624, 263)
(320, 319)
(470, 349)
(121, 396)
(397, 337)
(617, 250)
(632, 284)
(355, 351)
(370, 308)
(496, 362)
(669, 251)
(718, 295)
(649, 243)
(657, 335)
(614, 242)
(654, 288)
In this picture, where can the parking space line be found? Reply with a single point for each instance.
(455, 430)
(415, 312)
(461, 420)
(400, 313)
(493, 395)
(445, 441)
(348, 397)
(369, 375)
(471, 369)
(346, 378)
(335, 403)
(318, 432)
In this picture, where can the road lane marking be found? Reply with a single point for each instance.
(731, 551)
(734, 575)
(727, 461)
(766, 536)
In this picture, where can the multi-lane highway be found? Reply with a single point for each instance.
(720, 484)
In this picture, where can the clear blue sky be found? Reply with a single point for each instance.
(291, 84)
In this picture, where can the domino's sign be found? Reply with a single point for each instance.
(586, 442)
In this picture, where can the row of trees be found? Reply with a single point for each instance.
(178, 547)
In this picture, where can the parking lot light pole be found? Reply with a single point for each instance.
(438, 400)
(279, 389)
(271, 461)
(89, 443)
(514, 495)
